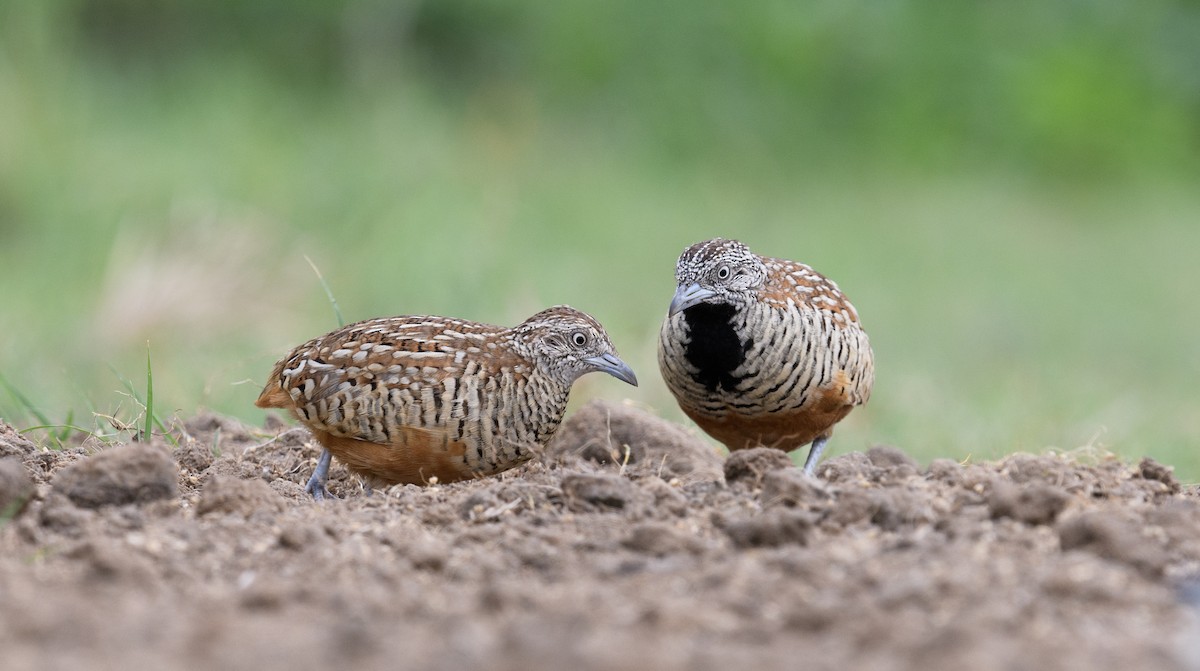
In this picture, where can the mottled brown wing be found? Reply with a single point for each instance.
(797, 284)
(370, 379)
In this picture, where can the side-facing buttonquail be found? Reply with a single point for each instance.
(762, 351)
(410, 399)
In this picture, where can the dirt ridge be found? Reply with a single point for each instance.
(630, 543)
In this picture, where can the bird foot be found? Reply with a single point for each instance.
(814, 454)
(318, 491)
(316, 484)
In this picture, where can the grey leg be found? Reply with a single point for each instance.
(814, 454)
(316, 484)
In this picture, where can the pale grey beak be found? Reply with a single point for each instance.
(686, 297)
(611, 364)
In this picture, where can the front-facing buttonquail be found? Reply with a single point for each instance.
(414, 399)
(761, 351)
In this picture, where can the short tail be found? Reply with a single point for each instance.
(273, 395)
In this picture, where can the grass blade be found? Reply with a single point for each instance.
(337, 311)
(149, 395)
(133, 393)
(67, 429)
(65, 432)
(24, 401)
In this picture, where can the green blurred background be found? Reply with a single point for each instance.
(1007, 190)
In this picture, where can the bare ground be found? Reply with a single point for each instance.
(630, 544)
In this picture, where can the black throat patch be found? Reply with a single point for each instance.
(714, 349)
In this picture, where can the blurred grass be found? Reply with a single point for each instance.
(1006, 192)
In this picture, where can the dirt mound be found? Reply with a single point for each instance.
(629, 544)
(223, 494)
(619, 433)
(134, 473)
(13, 444)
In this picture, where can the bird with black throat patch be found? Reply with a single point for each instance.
(760, 351)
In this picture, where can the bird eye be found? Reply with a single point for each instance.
(579, 338)
(723, 273)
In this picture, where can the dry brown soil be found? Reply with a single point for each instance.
(629, 544)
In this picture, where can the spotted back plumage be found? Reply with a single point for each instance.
(404, 399)
(760, 350)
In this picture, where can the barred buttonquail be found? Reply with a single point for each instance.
(410, 399)
(762, 351)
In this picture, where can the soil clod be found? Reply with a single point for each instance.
(599, 493)
(774, 527)
(1150, 469)
(1037, 503)
(1110, 535)
(12, 443)
(134, 473)
(750, 466)
(223, 494)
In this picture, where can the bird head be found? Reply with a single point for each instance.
(568, 343)
(717, 271)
